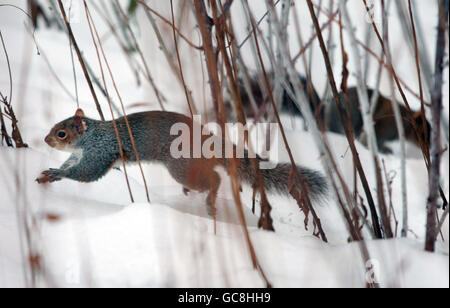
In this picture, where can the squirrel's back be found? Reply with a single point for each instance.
(151, 131)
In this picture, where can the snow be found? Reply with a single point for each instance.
(92, 235)
(164, 252)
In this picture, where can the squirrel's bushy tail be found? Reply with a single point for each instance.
(277, 179)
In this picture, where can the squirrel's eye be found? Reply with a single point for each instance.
(62, 134)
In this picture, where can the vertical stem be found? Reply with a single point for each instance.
(398, 121)
(321, 141)
(148, 75)
(169, 56)
(133, 143)
(419, 71)
(180, 67)
(348, 130)
(80, 58)
(436, 109)
(294, 171)
(363, 98)
(204, 23)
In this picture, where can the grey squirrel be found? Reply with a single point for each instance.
(287, 105)
(328, 115)
(95, 150)
(384, 120)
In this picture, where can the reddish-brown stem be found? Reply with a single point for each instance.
(347, 128)
(170, 24)
(133, 142)
(116, 130)
(80, 59)
(180, 67)
(303, 198)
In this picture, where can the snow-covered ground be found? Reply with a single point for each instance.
(91, 235)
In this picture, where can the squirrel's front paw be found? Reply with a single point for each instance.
(49, 176)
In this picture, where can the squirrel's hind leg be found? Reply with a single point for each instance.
(197, 175)
(212, 196)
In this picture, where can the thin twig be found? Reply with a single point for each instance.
(179, 63)
(133, 143)
(80, 59)
(419, 71)
(148, 75)
(9, 68)
(203, 21)
(116, 130)
(304, 198)
(15, 134)
(250, 34)
(436, 108)
(390, 68)
(328, 161)
(145, 5)
(369, 128)
(398, 122)
(170, 59)
(265, 220)
(348, 130)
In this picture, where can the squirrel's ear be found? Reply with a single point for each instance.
(79, 113)
(80, 125)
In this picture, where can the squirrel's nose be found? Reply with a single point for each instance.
(47, 140)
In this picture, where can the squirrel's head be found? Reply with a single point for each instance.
(64, 135)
